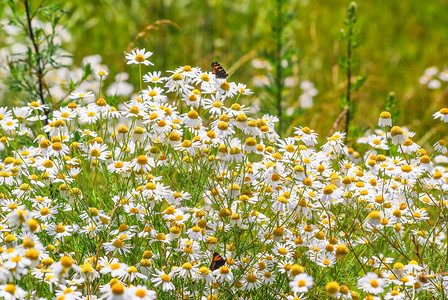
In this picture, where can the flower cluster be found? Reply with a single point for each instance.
(433, 78)
(135, 201)
(62, 72)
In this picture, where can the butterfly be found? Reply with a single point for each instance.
(218, 262)
(218, 70)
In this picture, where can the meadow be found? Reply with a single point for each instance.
(212, 150)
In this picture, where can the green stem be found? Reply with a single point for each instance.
(39, 70)
(278, 64)
(140, 79)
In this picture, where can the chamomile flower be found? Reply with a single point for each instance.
(214, 105)
(154, 77)
(153, 95)
(9, 124)
(119, 167)
(236, 109)
(223, 274)
(37, 105)
(132, 274)
(12, 292)
(385, 119)
(142, 163)
(58, 231)
(187, 270)
(334, 143)
(91, 230)
(372, 283)
(58, 149)
(88, 272)
(326, 259)
(441, 146)
(82, 95)
(301, 283)
(251, 281)
(282, 204)
(192, 98)
(161, 278)
(118, 245)
(21, 113)
(191, 119)
(242, 89)
(139, 56)
(45, 211)
(89, 114)
(409, 147)
(113, 291)
(98, 151)
(140, 292)
(397, 135)
(114, 268)
(377, 142)
(178, 83)
(205, 274)
(5, 113)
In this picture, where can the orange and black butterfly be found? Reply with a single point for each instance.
(218, 70)
(218, 262)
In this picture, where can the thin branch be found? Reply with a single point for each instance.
(338, 120)
(38, 59)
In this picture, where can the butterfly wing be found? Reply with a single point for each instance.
(218, 262)
(218, 70)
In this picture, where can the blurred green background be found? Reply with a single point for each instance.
(400, 39)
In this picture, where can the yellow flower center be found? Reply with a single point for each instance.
(134, 110)
(225, 86)
(117, 289)
(44, 211)
(406, 168)
(283, 251)
(444, 111)
(385, 115)
(193, 115)
(177, 77)
(223, 126)
(166, 278)
(48, 164)
(118, 243)
(187, 266)
(140, 293)
(139, 58)
(95, 153)
(204, 77)
(251, 278)
(142, 160)
(152, 94)
(60, 229)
